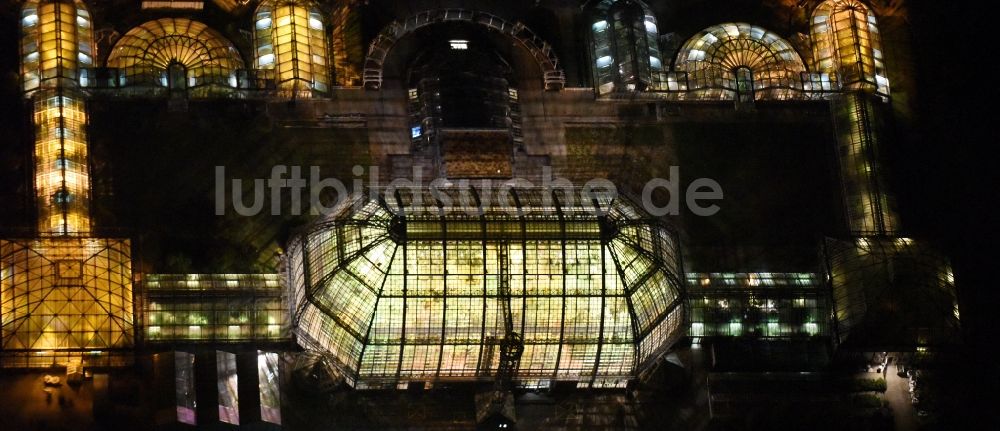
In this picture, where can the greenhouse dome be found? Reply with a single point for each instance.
(419, 286)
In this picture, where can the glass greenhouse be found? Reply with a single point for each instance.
(890, 293)
(846, 43)
(738, 60)
(625, 47)
(57, 40)
(290, 40)
(177, 54)
(758, 304)
(409, 287)
(216, 308)
(64, 297)
(869, 207)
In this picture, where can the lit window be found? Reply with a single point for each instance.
(655, 63)
(63, 197)
(812, 328)
(729, 61)
(624, 34)
(290, 40)
(650, 25)
(183, 53)
(846, 40)
(315, 23)
(735, 328)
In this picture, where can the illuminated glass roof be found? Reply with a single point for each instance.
(205, 57)
(405, 287)
(712, 57)
(65, 294)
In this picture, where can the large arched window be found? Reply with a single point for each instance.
(744, 84)
(57, 40)
(846, 42)
(289, 39)
(625, 47)
(208, 60)
(721, 61)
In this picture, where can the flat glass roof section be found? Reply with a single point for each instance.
(409, 286)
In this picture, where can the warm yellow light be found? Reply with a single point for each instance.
(290, 40)
(61, 180)
(846, 43)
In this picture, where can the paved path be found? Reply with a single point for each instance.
(898, 394)
(24, 407)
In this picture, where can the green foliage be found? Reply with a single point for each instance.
(868, 400)
(865, 385)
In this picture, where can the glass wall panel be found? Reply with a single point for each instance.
(268, 385)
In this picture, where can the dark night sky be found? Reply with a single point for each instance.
(956, 174)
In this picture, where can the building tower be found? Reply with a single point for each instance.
(889, 292)
(847, 46)
(65, 295)
(57, 42)
(291, 47)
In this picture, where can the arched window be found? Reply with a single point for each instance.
(290, 40)
(744, 85)
(57, 40)
(721, 59)
(208, 61)
(846, 42)
(176, 75)
(625, 47)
